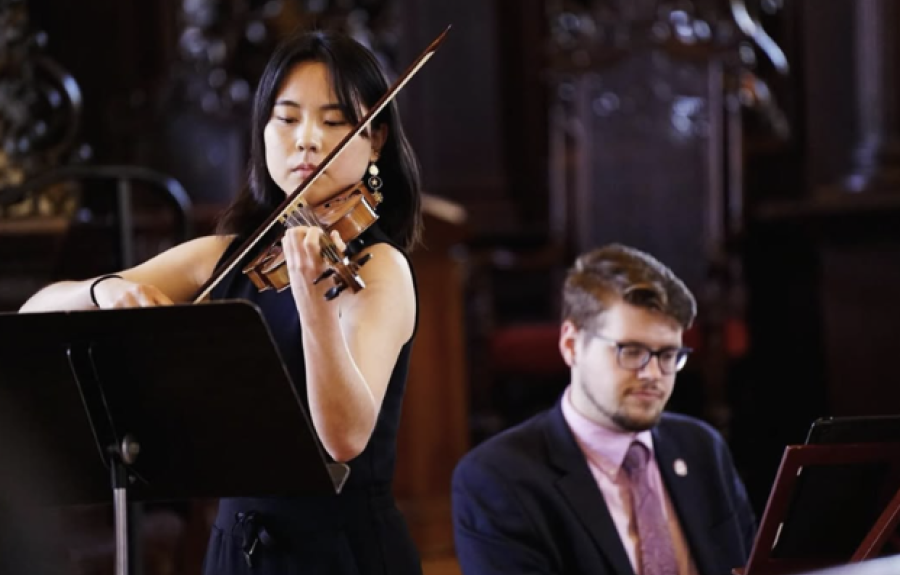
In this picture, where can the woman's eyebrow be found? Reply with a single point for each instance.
(293, 104)
(289, 103)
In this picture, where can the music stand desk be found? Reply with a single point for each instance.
(175, 402)
(830, 504)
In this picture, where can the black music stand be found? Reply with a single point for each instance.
(157, 403)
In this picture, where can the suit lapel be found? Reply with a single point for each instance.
(578, 487)
(688, 497)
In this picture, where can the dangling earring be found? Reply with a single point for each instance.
(374, 182)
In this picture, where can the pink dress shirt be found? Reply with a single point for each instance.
(605, 450)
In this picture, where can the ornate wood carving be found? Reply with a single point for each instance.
(373, 23)
(646, 142)
(223, 44)
(217, 42)
(588, 33)
(649, 79)
(40, 108)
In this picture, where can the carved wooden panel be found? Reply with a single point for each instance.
(641, 146)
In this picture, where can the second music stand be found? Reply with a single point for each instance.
(834, 502)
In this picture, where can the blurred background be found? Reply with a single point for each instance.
(749, 144)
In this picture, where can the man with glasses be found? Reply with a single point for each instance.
(606, 482)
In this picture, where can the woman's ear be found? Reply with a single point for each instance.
(379, 137)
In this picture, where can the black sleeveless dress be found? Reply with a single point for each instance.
(360, 531)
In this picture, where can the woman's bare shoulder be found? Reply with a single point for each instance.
(390, 295)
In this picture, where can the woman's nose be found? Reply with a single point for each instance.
(308, 137)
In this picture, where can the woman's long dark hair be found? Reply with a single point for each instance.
(358, 82)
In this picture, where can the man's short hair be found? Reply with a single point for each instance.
(615, 272)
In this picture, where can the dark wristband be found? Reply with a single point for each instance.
(98, 280)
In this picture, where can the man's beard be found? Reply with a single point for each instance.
(619, 416)
(631, 424)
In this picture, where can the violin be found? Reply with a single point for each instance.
(349, 214)
(343, 213)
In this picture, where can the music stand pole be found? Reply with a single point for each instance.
(121, 457)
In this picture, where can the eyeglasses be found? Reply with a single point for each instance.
(636, 356)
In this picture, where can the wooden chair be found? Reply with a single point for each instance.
(514, 306)
(79, 221)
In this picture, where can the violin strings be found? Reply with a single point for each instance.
(303, 216)
(327, 245)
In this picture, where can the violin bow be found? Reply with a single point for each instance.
(295, 199)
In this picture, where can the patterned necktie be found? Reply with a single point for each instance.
(656, 554)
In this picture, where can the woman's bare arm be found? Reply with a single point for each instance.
(173, 276)
(350, 355)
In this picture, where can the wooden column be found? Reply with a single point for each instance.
(854, 227)
(876, 161)
(434, 432)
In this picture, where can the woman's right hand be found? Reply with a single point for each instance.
(118, 292)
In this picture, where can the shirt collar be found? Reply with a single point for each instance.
(604, 447)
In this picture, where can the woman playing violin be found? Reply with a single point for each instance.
(348, 357)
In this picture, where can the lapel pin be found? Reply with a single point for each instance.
(680, 467)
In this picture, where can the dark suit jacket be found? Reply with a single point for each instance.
(525, 502)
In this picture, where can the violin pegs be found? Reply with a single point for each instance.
(326, 274)
(362, 261)
(354, 247)
(334, 291)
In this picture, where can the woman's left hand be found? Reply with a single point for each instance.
(302, 247)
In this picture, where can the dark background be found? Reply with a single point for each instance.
(559, 125)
